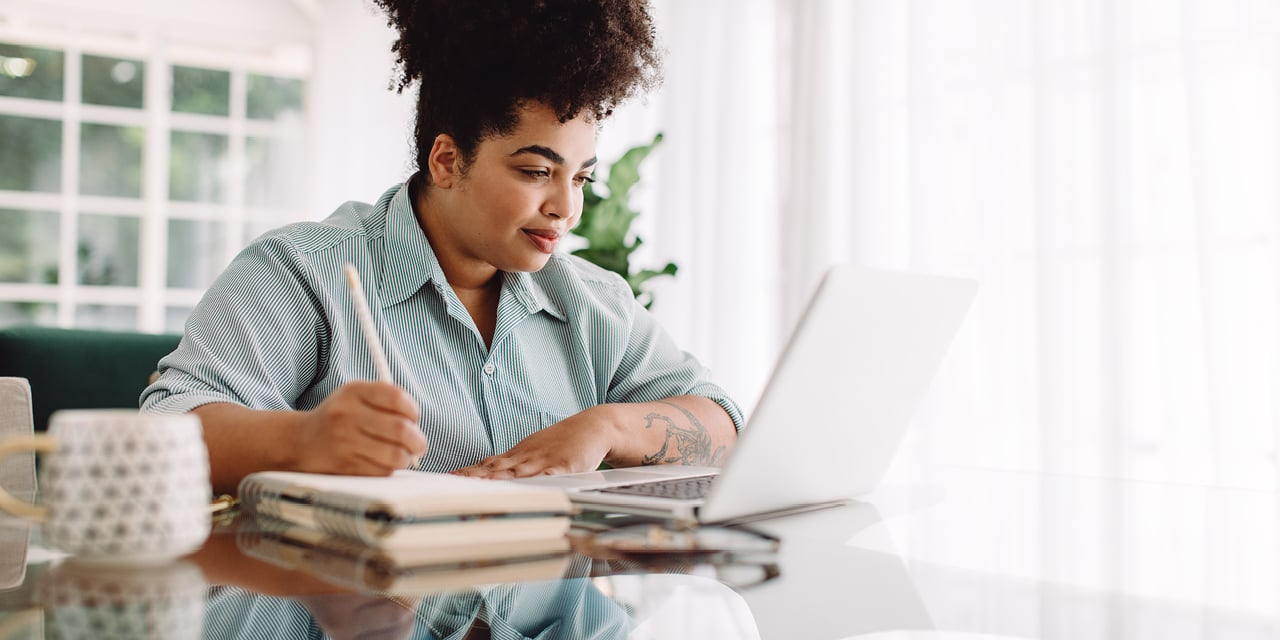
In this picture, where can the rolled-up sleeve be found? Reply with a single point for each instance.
(653, 367)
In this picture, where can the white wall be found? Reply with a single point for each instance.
(361, 132)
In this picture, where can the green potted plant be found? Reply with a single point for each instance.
(606, 223)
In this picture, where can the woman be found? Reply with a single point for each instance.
(508, 358)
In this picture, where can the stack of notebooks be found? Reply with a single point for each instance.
(409, 533)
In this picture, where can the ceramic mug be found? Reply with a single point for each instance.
(119, 485)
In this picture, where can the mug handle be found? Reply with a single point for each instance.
(20, 508)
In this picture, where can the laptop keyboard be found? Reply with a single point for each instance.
(678, 488)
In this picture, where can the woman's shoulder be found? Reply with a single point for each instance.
(350, 220)
(310, 236)
(570, 270)
(578, 286)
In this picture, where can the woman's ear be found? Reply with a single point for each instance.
(444, 162)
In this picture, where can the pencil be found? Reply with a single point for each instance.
(366, 325)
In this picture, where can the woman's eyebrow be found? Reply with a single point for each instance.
(549, 154)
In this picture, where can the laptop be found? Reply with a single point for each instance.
(830, 419)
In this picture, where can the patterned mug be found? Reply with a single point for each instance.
(117, 485)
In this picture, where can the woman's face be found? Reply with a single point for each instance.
(521, 194)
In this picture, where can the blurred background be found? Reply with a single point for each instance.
(1105, 168)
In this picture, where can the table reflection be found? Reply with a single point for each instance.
(295, 593)
(84, 600)
(567, 608)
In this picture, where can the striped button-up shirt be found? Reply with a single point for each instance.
(278, 330)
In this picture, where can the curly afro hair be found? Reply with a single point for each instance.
(477, 61)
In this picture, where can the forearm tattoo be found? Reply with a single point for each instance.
(692, 443)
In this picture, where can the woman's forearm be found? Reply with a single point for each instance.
(679, 430)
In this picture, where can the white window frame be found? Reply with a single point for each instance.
(151, 296)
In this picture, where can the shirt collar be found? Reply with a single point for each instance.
(530, 291)
(408, 262)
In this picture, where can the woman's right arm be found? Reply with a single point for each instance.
(363, 428)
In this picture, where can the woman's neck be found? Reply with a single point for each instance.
(464, 273)
(477, 285)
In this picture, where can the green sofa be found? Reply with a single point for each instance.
(81, 368)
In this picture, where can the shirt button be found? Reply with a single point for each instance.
(488, 368)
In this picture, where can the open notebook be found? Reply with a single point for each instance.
(831, 416)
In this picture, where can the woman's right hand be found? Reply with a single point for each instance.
(362, 428)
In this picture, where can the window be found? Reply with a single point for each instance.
(130, 177)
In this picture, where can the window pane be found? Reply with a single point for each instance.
(30, 72)
(273, 171)
(16, 313)
(206, 91)
(31, 156)
(175, 318)
(272, 98)
(105, 316)
(197, 166)
(114, 82)
(29, 246)
(107, 251)
(110, 160)
(195, 253)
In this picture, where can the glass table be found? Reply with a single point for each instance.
(938, 553)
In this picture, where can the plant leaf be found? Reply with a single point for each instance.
(615, 259)
(606, 223)
(637, 279)
(625, 173)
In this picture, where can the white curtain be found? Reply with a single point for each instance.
(1105, 168)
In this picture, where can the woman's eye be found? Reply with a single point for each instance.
(581, 180)
(539, 174)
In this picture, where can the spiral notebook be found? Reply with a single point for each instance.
(408, 508)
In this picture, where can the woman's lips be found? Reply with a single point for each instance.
(544, 241)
